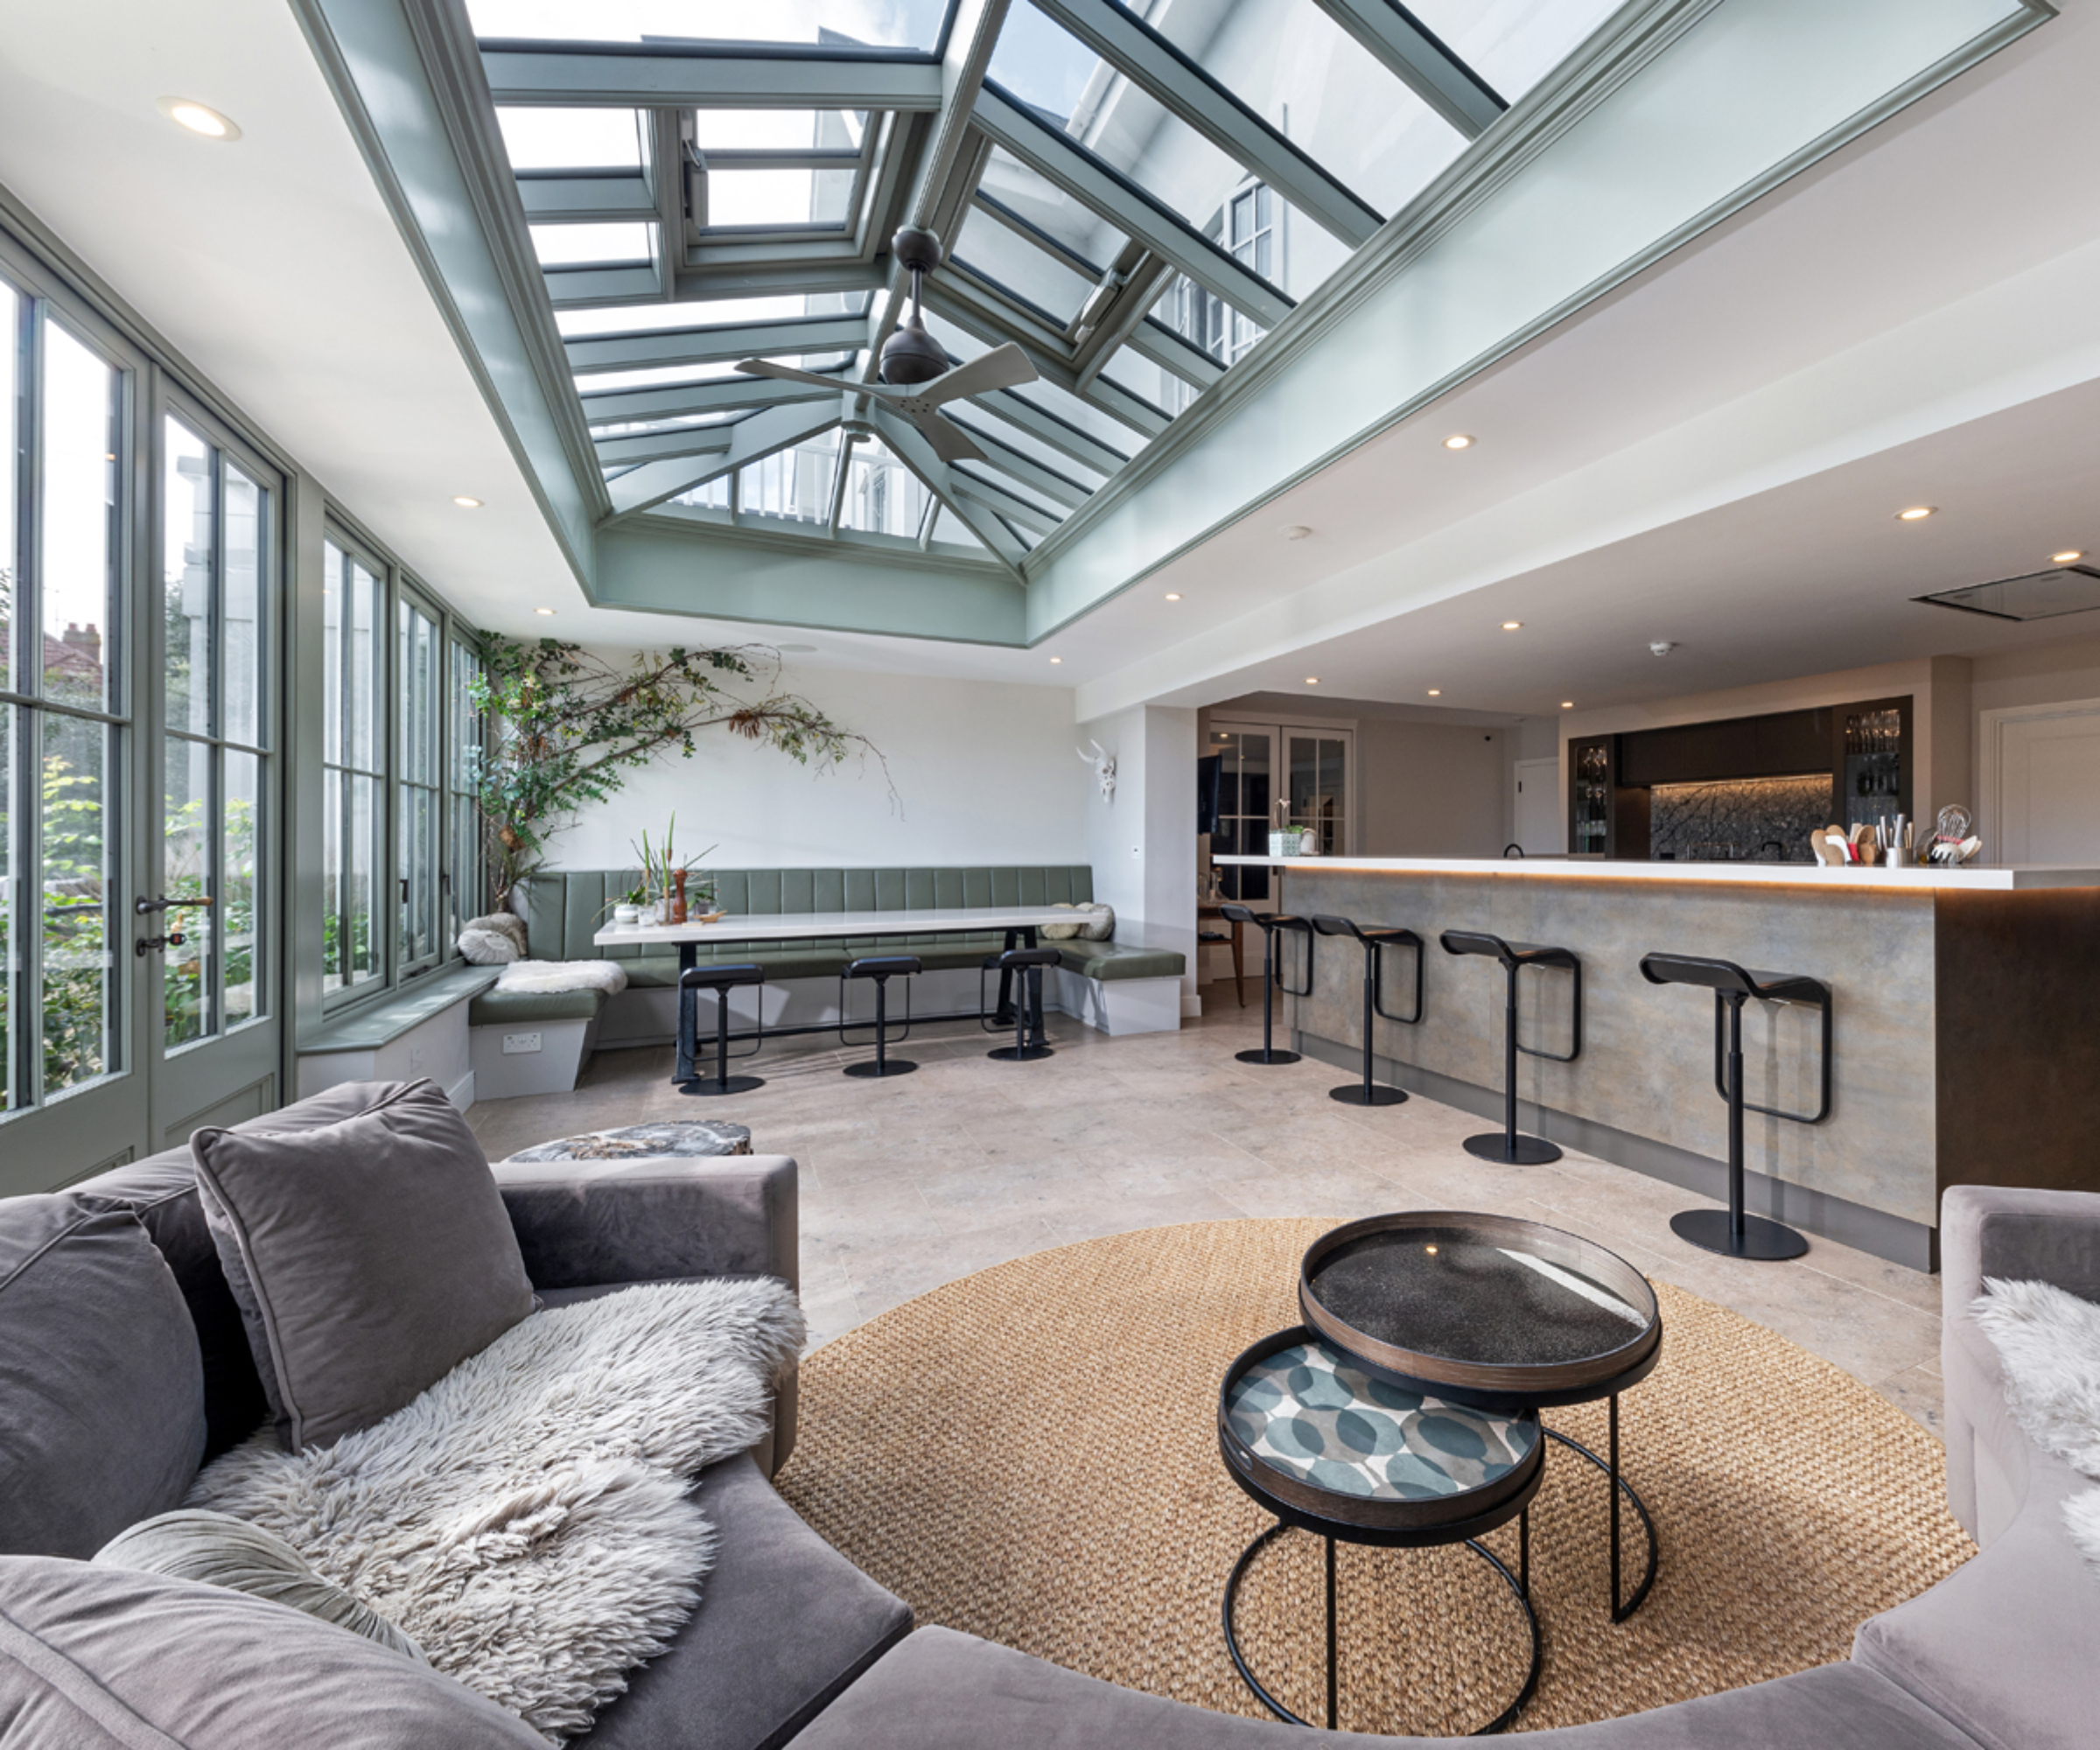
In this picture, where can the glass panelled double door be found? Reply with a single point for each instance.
(1274, 776)
(138, 961)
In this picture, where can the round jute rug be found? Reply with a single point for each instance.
(1029, 1454)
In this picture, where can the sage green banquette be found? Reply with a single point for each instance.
(566, 908)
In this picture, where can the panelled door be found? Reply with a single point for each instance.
(217, 1044)
(1274, 774)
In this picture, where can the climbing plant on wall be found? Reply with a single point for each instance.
(564, 727)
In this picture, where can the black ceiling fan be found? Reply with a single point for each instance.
(916, 380)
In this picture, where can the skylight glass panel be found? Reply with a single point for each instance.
(773, 199)
(889, 24)
(1007, 259)
(644, 319)
(650, 428)
(1146, 380)
(1039, 63)
(570, 139)
(981, 422)
(1512, 44)
(573, 245)
(795, 484)
(1047, 207)
(708, 495)
(656, 374)
(1312, 81)
(949, 530)
(882, 496)
(777, 130)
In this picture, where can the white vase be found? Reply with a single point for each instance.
(626, 917)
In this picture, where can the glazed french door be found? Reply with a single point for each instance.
(136, 651)
(207, 925)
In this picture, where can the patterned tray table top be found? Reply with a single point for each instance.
(1311, 1413)
(646, 1142)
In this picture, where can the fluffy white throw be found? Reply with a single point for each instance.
(564, 975)
(2049, 1341)
(527, 1519)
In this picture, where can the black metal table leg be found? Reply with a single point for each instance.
(682, 1070)
(1002, 1015)
(1520, 1588)
(1618, 1486)
(1037, 1037)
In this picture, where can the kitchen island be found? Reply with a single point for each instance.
(1966, 1039)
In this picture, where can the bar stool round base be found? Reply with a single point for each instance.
(732, 1084)
(1013, 1053)
(870, 1069)
(1265, 1056)
(1767, 1242)
(1523, 1152)
(1357, 1095)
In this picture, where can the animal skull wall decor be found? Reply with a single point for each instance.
(1103, 763)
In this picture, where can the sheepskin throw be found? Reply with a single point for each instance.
(2049, 1341)
(527, 1519)
(496, 940)
(1094, 923)
(564, 975)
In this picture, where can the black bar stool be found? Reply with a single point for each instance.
(1737, 1234)
(881, 968)
(1272, 973)
(1376, 941)
(721, 980)
(1028, 1040)
(1510, 1149)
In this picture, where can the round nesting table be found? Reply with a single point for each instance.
(1331, 1449)
(682, 1138)
(1495, 1312)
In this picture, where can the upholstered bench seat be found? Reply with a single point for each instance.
(508, 1008)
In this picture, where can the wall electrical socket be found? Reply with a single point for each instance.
(514, 1044)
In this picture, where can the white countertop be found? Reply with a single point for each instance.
(815, 926)
(1974, 876)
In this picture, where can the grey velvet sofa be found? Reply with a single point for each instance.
(792, 1642)
(786, 1622)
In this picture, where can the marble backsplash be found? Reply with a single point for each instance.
(1764, 819)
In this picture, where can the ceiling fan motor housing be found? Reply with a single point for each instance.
(910, 355)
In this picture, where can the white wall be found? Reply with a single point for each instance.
(985, 772)
(1143, 843)
(1431, 789)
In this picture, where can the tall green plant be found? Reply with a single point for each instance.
(565, 728)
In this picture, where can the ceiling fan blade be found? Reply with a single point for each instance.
(1005, 367)
(949, 441)
(765, 367)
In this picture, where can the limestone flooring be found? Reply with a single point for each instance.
(912, 1182)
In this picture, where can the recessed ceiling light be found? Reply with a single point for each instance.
(1457, 440)
(1057, 659)
(1567, 705)
(465, 502)
(1513, 626)
(2068, 559)
(547, 611)
(1174, 595)
(1917, 513)
(1436, 692)
(1296, 531)
(1311, 680)
(199, 118)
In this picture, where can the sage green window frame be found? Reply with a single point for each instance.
(418, 775)
(30, 709)
(465, 860)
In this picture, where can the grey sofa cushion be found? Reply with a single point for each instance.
(101, 1387)
(941, 1690)
(161, 1191)
(95, 1658)
(785, 1623)
(2007, 1647)
(369, 1256)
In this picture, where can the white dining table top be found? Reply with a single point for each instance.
(816, 926)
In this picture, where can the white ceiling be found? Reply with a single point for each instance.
(1713, 454)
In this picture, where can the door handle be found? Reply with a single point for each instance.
(149, 944)
(145, 907)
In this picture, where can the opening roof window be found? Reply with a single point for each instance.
(1140, 191)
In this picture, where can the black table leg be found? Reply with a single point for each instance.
(1037, 1038)
(1002, 1016)
(1618, 1485)
(688, 957)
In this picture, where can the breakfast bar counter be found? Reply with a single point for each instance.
(1965, 1041)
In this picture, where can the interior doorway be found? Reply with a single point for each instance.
(1538, 817)
(2041, 778)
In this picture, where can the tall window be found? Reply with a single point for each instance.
(214, 542)
(1250, 227)
(61, 713)
(353, 774)
(463, 877)
(420, 787)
